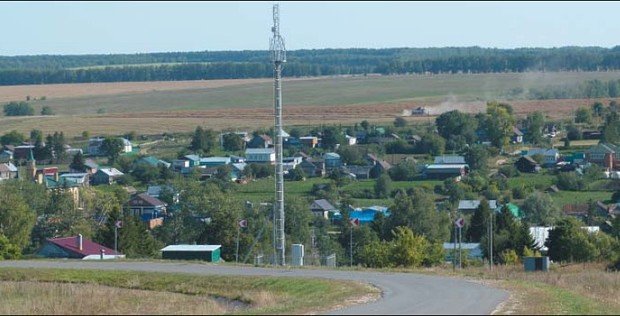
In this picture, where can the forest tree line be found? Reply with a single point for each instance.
(42, 69)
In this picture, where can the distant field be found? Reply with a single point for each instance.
(156, 107)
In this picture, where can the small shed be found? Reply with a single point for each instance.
(209, 253)
(536, 263)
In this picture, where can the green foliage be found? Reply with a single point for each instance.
(331, 136)
(567, 242)
(510, 257)
(534, 124)
(383, 186)
(479, 222)
(583, 115)
(203, 141)
(416, 210)
(539, 209)
(432, 144)
(455, 124)
(611, 129)
(232, 142)
(499, 123)
(46, 110)
(18, 109)
(12, 138)
(407, 249)
(8, 251)
(404, 171)
(145, 173)
(258, 171)
(509, 171)
(476, 157)
(400, 122)
(570, 181)
(78, 163)
(573, 132)
(297, 174)
(112, 148)
(351, 155)
(135, 241)
(16, 217)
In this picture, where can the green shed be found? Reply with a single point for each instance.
(209, 253)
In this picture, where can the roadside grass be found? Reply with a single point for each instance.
(258, 295)
(19, 298)
(572, 289)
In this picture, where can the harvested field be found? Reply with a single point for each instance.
(73, 90)
(249, 118)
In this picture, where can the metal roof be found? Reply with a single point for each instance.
(191, 248)
(446, 166)
(473, 204)
(449, 160)
(259, 151)
(111, 171)
(225, 160)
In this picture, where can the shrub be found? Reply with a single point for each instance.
(18, 109)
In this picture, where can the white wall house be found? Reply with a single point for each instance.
(260, 155)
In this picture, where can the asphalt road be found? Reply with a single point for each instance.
(403, 293)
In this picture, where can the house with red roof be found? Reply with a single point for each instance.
(76, 247)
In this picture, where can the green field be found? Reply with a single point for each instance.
(325, 91)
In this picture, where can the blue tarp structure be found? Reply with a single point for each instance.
(365, 215)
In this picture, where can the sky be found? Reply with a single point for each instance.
(31, 28)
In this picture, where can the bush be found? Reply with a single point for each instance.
(46, 110)
(510, 257)
(570, 181)
(18, 109)
(509, 171)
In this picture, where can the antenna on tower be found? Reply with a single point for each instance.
(278, 57)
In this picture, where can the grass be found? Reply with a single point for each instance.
(579, 197)
(536, 180)
(573, 289)
(258, 295)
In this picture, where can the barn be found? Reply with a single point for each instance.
(209, 253)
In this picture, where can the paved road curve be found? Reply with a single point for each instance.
(403, 293)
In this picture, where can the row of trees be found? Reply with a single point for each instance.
(253, 64)
(24, 109)
(588, 89)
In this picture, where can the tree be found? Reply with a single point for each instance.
(567, 242)
(453, 124)
(78, 163)
(499, 123)
(404, 171)
(416, 210)
(407, 249)
(331, 137)
(46, 110)
(112, 148)
(297, 174)
(399, 121)
(135, 241)
(8, 251)
(16, 218)
(479, 222)
(383, 186)
(198, 140)
(350, 155)
(583, 115)
(131, 135)
(611, 128)
(570, 181)
(365, 125)
(145, 173)
(18, 109)
(598, 109)
(534, 124)
(476, 157)
(573, 132)
(12, 138)
(539, 209)
(432, 144)
(232, 142)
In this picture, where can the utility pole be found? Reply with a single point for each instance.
(491, 241)
(278, 57)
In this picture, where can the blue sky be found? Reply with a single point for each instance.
(133, 27)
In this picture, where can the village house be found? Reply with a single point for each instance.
(359, 172)
(527, 164)
(322, 208)
(605, 155)
(442, 171)
(194, 160)
(313, 167)
(95, 146)
(260, 155)
(6, 155)
(8, 171)
(470, 206)
(449, 160)
(215, 161)
(517, 136)
(550, 156)
(149, 209)
(76, 247)
(106, 176)
(332, 161)
(260, 141)
(309, 141)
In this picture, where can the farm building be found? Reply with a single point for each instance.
(442, 171)
(449, 160)
(76, 247)
(209, 253)
(322, 208)
(527, 164)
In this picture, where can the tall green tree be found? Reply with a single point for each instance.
(479, 222)
(539, 209)
(112, 147)
(78, 163)
(534, 123)
(499, 123)
(16, 218)
(567, 242)
(383, 186)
